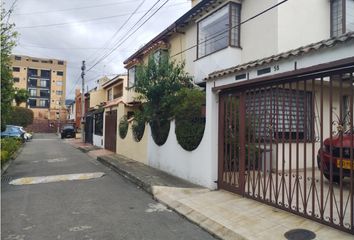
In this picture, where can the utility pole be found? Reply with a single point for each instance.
(83, 67)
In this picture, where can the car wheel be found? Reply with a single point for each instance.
(336, 179)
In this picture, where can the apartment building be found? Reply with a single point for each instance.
(45, 80)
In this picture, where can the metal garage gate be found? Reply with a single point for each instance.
(290, 143)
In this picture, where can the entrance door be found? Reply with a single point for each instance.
(110, 133)
(231, 143)
(89, 129)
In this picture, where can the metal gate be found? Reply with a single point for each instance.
(89, 129)
(110, 133)
(289, 143)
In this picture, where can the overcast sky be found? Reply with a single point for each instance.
(76, 30)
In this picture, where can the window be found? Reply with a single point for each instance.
(59, 92)
(60, 73)
(160, 54)
(291, 113)
(35, 60)
(99, 123)
(32, 92)
(44, 93)
(16, 79)
(342, 17)
(18, 58)
(15, 69)
(32, 102)
(110, 94)
(59, 83)
(32, 82)
(131, 77)
(45, 74)
(43, 103)
(44, 83)
(219, 30)
(32, 72)
(60, 62)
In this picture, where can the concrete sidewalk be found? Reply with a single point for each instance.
(223, 214)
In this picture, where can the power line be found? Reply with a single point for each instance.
(72, 9)
(82, 21)
(119, 44)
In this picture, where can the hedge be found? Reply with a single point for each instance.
(20, 116)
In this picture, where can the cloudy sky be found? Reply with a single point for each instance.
(76, 30)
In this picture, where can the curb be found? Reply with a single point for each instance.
(212, 227)
(13, 157)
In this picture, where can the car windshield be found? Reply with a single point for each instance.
(68, 127)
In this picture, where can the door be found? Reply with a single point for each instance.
(110, 133)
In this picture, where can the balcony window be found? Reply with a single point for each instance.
(45, 74)
(44, 93)
(32, 72)
(43, 103)
(15, 69)
(44, 83)
(131, 77)
(219, 30)
(32, 82)
(342, 17)
(118, 91)
(32, 92)
(110, 94)
(32, 102)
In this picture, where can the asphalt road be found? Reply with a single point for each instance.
(104, 208)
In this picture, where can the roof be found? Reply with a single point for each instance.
(182, 21)
(115, 102)
(328, 43)
(114, 80)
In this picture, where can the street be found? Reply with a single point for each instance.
(88, 207)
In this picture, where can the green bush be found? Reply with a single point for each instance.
(8, 147)
(123, 127)
(138, 128)
(160, 130)
(20, 116)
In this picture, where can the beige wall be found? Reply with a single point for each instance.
(128, 146)
(97, 97)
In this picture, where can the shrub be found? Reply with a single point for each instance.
(160, 130)
(5, 156)
(123, 127)
(20, 116)
(138, 128)
(190, 122)
(8, 147)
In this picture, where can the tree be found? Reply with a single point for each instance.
(21, 96)
(8, 37)
(20, 116)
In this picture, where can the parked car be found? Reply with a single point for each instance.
(13, 132)
(68, 131)
(27, 135)
(340, 154)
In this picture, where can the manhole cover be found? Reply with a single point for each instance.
(299, 234)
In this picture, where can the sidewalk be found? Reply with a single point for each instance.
(223, 214)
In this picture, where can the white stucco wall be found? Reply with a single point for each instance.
(98, 140)
(302, 22)
(194, 166)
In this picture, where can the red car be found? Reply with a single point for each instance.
(337, 144)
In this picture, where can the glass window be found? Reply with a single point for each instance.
(43, 103)
(60, 62)
(32, 92)
(32, 102)
(110, 94)
(60, 73)
(18, 58)
(131, 77)
(59, 83)
(160, 54)
(44, 83)
(15, 69)
(32, 82)
(32, 72)
(45, 74)
(219, 30)
(59, 92)
(338, 26)
(16, 79)
(44, 93)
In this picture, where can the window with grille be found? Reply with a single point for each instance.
(342, 17)
(99, 123)
(280, 113)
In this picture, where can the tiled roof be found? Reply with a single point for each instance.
(295, 52)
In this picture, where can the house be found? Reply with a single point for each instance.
(279, 102)
(78, 112)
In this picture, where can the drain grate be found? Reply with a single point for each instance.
(299, 234)
(6, 179)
